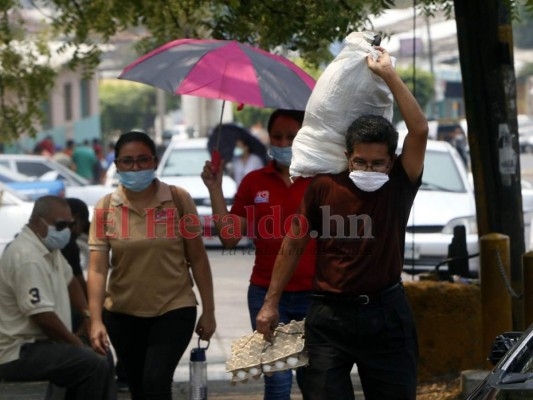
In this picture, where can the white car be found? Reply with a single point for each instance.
(15, 211)
(181, 165)
(446, 199)
(45, 168)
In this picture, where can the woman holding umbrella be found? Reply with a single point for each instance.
(265, 198)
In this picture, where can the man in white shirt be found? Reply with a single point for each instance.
(36, 290)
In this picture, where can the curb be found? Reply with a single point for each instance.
(219, 387)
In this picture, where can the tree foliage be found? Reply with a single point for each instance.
(522, 29)
(422, 85)
(127, 106)
(308, 26)
(26, 76)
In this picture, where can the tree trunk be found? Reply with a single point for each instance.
(486, 52)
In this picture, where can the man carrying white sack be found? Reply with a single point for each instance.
(359, 312)
(345, 90)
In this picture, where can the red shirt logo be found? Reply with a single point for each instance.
(262, 197)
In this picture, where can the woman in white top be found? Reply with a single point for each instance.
(244, 161)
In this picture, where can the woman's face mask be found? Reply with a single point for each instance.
(136, 181)
(282, 155)
(238, 152)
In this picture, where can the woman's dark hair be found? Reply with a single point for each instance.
(78, 207)
(134, 136)
(372, 129)
(296, 115)
(79, 211)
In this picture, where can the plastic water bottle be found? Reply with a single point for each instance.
(198, 373)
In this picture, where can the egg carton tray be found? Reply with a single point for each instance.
(252, 355)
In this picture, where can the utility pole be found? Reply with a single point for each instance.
(486, 52)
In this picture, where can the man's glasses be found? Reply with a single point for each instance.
(61, 224)
(374, 166)
(128, 162)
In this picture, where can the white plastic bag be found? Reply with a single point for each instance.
(346, 90)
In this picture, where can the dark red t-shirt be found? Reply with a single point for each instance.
(361, 235)
(267, 204)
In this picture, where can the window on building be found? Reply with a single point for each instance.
(85, 98)
(67, 95)
(46, 108)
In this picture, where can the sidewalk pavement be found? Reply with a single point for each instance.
(219, 390)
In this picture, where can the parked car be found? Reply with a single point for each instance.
(181, 165)
(15, 211)
(525, 134)
(31, 187)
(46, 169)
(445, 200)
(512, 375)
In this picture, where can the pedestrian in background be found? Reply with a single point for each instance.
(148, 308)
(110, 155)
(64, 156)
(86, 161)
(359, 313)
(268, 194)
(244, 161)
(457, 139)
(72, 252)
(45, 147)
(37, 289)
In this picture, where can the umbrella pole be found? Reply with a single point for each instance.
(220, 124)
(215, 156)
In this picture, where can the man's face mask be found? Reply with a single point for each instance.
(369, 177)
(369, 181)
(58, 235)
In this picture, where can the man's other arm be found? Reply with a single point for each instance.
(414, 147)
(286, 262)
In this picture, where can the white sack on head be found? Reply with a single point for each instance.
(346, 90)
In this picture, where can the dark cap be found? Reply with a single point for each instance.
(198, 354)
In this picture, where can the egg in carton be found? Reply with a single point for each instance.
(287, 350)
(245, 361)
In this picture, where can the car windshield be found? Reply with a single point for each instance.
(59, 172)
(441, 173)
(9, 176)
(185, 162)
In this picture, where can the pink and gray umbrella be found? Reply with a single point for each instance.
(226, 70)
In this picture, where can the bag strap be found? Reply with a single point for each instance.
(176, 199)
(107, 201)
(177, 203)
(179, 206)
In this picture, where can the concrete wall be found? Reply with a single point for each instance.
(448, 319)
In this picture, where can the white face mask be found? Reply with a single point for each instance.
(56, 239)
(369, 181)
